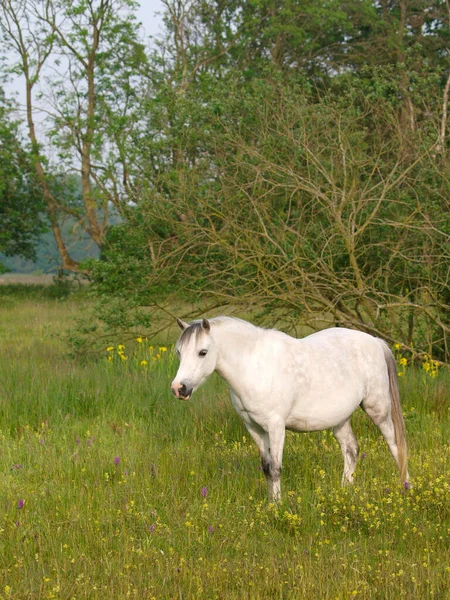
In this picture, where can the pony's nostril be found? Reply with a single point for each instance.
(181, 390)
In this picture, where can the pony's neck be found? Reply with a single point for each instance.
(235, 340)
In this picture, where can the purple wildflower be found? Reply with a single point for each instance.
(407, 485)
(152, 528)
(89, 442)
(17, 523)
(41, 441)
(210, 529)
(204, 491)
(20, 503)
(363, 456)
(77, 441)
(116, 460)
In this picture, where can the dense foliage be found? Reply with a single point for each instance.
(21, 207)
(290, 156)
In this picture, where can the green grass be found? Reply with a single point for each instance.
(142, 528)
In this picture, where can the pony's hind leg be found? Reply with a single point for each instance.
(349, 446)
(380, 413)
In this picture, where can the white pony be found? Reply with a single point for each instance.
(278, 382)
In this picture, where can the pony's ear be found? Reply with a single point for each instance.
(182, 325)
(206, 325)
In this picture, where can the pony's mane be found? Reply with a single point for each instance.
(230, 321)
(195, 328)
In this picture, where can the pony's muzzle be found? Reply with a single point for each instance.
(180, 390)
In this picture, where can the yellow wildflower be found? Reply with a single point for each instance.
(139, 339)
(144, 362)
(109, 348)
(403, 362)
(162, 349)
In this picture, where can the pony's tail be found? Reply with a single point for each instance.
(396, 413)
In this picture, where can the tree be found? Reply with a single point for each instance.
(291, 176)
(93, 51)
(21, 207)
(257, 156)
(306, 209)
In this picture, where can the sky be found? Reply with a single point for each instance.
(147, 15)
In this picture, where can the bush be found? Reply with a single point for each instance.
(312, 210)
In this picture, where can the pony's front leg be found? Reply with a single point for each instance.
(261, 438)
(270, 445)
(277, 433)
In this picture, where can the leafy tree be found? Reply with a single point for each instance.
(88, 99)
(291, 173)
(21, 207)
(286, 154)
(306, 209)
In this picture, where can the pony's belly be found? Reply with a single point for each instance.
(316, 418)
(310, 424)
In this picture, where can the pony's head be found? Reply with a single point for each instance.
(198, 357)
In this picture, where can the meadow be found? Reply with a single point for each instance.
(112, 488)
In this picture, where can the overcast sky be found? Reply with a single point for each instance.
(147, 15)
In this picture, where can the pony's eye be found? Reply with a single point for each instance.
(203, 352)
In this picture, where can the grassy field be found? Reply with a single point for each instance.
(111, 488)
(18, 278)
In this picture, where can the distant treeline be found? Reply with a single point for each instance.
(47, 258)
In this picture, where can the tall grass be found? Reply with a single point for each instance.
(111, 488)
